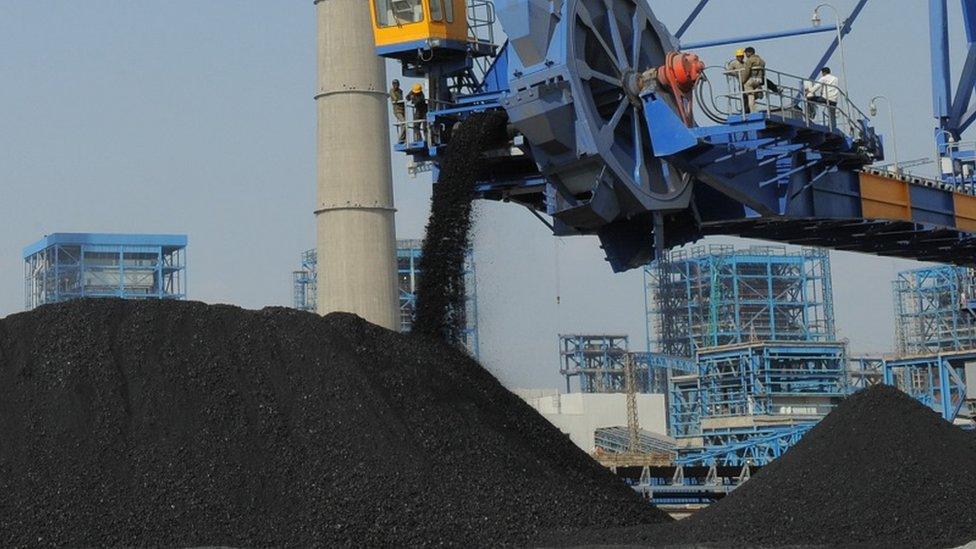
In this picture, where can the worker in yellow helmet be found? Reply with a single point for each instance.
(733, 71)
(418, 101)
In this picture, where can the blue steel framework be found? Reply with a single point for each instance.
(748, 403)
(955, 112)
(65, 266)
(304, 285)
(937, 380)
(408, 276)
(710, 296)
(933, 310)
(600, 153)
(596, 361)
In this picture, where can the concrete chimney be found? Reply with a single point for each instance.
(354, 212)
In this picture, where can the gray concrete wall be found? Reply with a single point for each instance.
(354, 212)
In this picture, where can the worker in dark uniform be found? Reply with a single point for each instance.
(399, 111)
(418, 100)
(753, 77)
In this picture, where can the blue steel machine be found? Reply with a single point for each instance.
(600, 148)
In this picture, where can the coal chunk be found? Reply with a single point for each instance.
(182, 424)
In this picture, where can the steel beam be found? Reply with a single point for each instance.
(757, 37)
(941, 75)
(691, 18)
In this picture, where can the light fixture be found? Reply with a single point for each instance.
(873, 108)
(816, 18)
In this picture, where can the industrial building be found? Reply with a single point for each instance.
(748, 403)
(745, 351)
(746, 354)
(408, 252)
(705, 297)
(64, 266)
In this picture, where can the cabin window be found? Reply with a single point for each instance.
(442, 10)
(391, 13)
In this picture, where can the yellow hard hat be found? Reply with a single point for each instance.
(740, 52)
(417, 88)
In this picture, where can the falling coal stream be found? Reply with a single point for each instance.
(440, 290)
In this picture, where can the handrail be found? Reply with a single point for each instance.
(788, 96)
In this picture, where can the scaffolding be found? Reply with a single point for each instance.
(745, 403)
(65, 266)
(408, 277)
(934, 310)
(706, 297)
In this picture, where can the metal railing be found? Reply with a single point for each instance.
(411, 129)
(782, 95)
(960, 170)
(481, 31)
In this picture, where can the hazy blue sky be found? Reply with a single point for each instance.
(197, 117)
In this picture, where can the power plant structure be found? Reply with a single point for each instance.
(935, 309)
(65, 266)
(765, 365)
(705, 297)
(761, 364)
(935, 341)
(408, 253)
(354, 210)
(596, 362)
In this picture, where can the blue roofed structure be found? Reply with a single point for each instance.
(64, 266)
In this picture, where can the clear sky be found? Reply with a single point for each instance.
(197, 117)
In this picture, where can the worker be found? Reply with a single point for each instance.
(418, 100)
(753, 77)
(827, 92)
(733, 71)
(399, 111)
(810, 101)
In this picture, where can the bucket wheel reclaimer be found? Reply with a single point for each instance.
(575, 71)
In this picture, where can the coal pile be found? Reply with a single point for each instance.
(440, 290)
(182, 424)
(882, 469)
